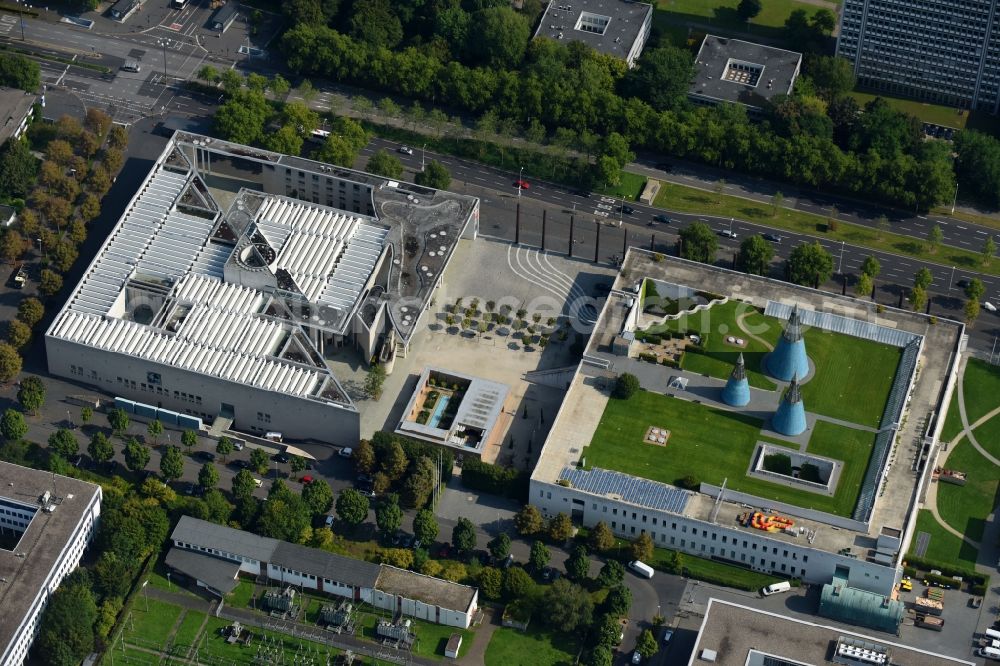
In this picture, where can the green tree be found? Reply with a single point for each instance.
(499, 546)
(17, 168)
(352, 507)
(63, 443)
(425, 526)
(374, 23)
(347, 138)
(136, 455)
(578, 564)
(296, 464)
(560, 528)
(154, 429)
(18, 333)
(626, 384)
(10, 363)
(100, 448)
(601, 538)
(231, 80)
(30, 311)
(871, 267)
(755, 255)
(974, 289)
(49, 282)
(318, 496)
(516, 583)
(539, 556)
(568, 606)
(777, 200)
(918, 298)
(934, 238)
(189, 438)
(463, 536)
(923, 279)
(66, 634)
(491, 583)
(31, 393)
(394, 465)
(528, 521)
(646, 645)
(989, 249)
(498, 37)
(748, 9)
(381, 163)
(863, 289)
(619, 601)
(86, 415)
(388, 515)
(374, 381)
(364, 457)
(224, 447)
(12, 425)
(208, 74)
(607, 630)
(881, 227)
(434, 175)
(642, 548)
(259, 460)
(698, 243)
(172, 463)
(809, 264)
(208, 476)
(662, 76)
(118, 420)
(612, 574)
(243, 484)
(243, 116)
(419, 485)
(285, 518)
(279, 85)
(971, 312)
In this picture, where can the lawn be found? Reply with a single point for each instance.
(944, 547)
(241, 595)
(988, 436)
(719, 357)
(189, 629)
(684, 199)
(966, 507)
(723, 12)
(929, 113)
(431, 638)
(953, 422)
(713, 445)
(629, 187)
(718, 573)
(534, 647)
(852, 379)
(152, 625)
(980, 387)
(215, 649)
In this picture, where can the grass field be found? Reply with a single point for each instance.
(713, 571)
(944, 546)
(214, 646)
(684, 199)
(431, 638)
(712, 445)
(629, 188)
(154, 624)
(241, 594)
(189, 628)
(534, 647)
(853, 376)
(980, 386)
(723, 12)
(713, 325)
(966, 507)
(953, 422)
(929, 113)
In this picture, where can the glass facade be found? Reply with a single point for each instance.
(939, 51)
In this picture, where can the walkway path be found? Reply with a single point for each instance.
(477, 652)
(761, 341)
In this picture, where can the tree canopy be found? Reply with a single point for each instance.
(755, 255)
(434, 175)
(352, 507)
(809, 264)
(698, 243)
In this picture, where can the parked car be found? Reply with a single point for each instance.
(550, 574)
(237, 445)
(406, 150)
(636, 657)
(989, 306)
(306, 480)
(346, 452)
(668, 634)
(207, 456)
(522, 184)
(509, 560)
(281, 457)
(328, 521)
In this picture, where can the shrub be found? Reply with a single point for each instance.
(779, 463)
(423, 416)
(810, 472)
(978, 590)
(690, 482)
(648, 357)
(625, 386)
(382, 441)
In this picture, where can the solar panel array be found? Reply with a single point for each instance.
(634, 490)
(846, 325)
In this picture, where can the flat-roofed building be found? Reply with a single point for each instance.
(732, 70)
(46, 524)
(617, 28)
(233, 271)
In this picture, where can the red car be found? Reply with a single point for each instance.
(523, 184)
(306, 480)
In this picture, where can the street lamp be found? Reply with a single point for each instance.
(520, 179)
(39, 241)
(954, 199)
(163, 44)
(840, 264)
(422, 153)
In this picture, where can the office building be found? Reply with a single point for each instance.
(617, 28)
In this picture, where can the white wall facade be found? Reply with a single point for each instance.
(703, 539)
(202, 395)
(421, 610)
(16, 652)
(640, 41)
(248, 565)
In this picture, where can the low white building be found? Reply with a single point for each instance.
(213, 556)
(47, 523)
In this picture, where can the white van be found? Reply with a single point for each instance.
(273, 436)
(989, 653)
(776, 588)
(992, 634)
(641, 568)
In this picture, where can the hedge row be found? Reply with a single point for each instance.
(495, 479)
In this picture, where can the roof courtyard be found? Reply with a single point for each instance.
(732, 70)
(678, 435)
(614, 27)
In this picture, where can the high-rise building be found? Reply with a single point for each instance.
(939, 51)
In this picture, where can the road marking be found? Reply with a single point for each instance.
(961, 227)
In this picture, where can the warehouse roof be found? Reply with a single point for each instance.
(218, 574)
(201, 533)
(429, 590)
(322, 564)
